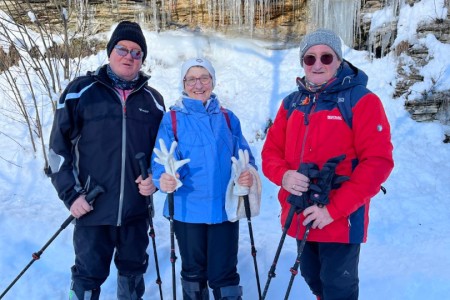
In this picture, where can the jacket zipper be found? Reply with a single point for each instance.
(122, 169)
(124, 141)
(306, 123)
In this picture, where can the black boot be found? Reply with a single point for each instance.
(231, 292)
(194, 290)
(77, 292)
(130, 287)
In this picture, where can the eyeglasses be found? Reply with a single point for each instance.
(310, 60)
(192, 80)
(123, 51)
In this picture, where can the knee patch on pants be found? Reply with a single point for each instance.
(194, 290)
(232, 292)
(130, 287)
(77, 292)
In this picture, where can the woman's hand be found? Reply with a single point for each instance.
(168, 183)
(245, 179)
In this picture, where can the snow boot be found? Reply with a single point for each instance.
(79, 293)
(130, 287)
(232, 292)
(194, 290)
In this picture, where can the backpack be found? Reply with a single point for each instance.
(173, 114)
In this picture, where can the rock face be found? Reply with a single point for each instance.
(427, 105)
(282, 21)
(430, 105)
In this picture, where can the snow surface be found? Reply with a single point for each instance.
(407, 254)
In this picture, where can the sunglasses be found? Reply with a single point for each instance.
(310, 60)
(123, 51)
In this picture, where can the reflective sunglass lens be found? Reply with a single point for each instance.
(326, 59)
(309, 60)
(136, 54)
(122, 51)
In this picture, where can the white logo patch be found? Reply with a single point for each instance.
(143, 110)
(339, 118)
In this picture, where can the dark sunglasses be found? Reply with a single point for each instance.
(310, 60)
(123, 51)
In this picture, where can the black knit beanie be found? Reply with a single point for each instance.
(129, 31)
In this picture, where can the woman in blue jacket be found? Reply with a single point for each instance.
(209, 136)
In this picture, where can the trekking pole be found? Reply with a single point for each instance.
(90, 197)
(250, 229)
(287, 224)
(151, 212)
(294, 269)
(173, 257)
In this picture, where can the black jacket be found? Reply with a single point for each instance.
(94, 140)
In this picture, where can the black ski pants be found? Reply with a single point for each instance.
(209, 253)
(331, 269)
(94, 249)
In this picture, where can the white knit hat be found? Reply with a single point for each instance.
(321, 37)
(198, 62)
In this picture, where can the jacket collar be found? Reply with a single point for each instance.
(347, 77)
(187, 104)
(101, 75)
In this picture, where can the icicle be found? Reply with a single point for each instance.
(337, 15)
(155, 15)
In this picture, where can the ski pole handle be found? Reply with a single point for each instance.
(248, 212)
(144, 174)
(141, 160)
(90, 197)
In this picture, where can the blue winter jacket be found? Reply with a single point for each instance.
(204, 137)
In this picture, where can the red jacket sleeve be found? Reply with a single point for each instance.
(274, 164)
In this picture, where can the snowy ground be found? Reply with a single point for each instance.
(407, 254)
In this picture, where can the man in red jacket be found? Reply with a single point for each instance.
(331, 114)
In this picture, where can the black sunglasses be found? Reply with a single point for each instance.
(310, 60)
(123, 51)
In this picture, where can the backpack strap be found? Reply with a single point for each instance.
(344, 105)
(173, 114)
(227, 117)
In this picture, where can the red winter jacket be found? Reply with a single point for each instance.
(314, 132)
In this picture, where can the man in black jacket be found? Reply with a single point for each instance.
(103, 119)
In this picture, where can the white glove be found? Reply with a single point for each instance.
(238, 167)
(166, 159)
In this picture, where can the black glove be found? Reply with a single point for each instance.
(327, 180)
(311, 171)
